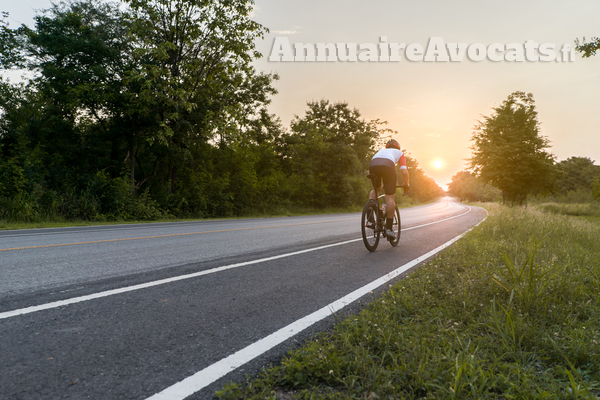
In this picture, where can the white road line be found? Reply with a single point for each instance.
(62, 303)
(211, 374)
(107, 293)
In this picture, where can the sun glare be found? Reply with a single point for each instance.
(437, 164)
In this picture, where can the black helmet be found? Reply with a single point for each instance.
(393, 143)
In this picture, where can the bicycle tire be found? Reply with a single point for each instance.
(370, 235)
(396, 227)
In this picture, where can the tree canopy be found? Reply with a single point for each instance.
(328, 150)
(588, 49)
(576, 173)
(153, 107)
(509, 151)
(467, 187)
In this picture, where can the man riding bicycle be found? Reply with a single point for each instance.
(383, 165)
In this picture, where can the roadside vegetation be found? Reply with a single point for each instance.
(56, 220)
(575, 209)
(512, 310)
(145, 110)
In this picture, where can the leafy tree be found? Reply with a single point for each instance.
(234, 178)
(509, 152)
(196, 77)
(327, 153)
(155, 107)
(467, 187)
(576, 173)
(463, 186)
(11, 54)
(588, 49)
(596, 189)
(20, 161)
(79, 53)
(164, 88)
(422, 187)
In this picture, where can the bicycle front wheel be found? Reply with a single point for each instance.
(396, 227)
(369, 228)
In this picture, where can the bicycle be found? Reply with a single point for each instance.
(373, 221)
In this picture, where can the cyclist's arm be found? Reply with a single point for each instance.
(403, 170)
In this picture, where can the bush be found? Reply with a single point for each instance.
(21, 207)
(596, 189)
(83, 205)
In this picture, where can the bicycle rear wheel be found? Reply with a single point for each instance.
(396, 227)
(369, 228)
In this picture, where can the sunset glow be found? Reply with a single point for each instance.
(438, 164)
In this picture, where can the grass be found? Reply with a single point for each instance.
(577, 209)
(511, 311)
(585, 211)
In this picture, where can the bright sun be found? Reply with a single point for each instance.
(437, 164)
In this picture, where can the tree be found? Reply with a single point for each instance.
(596, 189)
(509, 152)
(80, 54)
(463, 186)
(153, 87)
(467, 187)
(588, 49)
(197, 81)
(327, 153)
(576, 173)
(422, 187)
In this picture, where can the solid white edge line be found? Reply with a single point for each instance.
(212, 373)
(99, 295)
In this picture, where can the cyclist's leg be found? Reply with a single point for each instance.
(396, 228)
(390, 203)
(377, 183)
(373, 195)
(389, 182)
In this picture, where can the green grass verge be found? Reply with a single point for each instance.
(511, 311)
(575, 209)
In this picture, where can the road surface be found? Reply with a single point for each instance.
(175, 310)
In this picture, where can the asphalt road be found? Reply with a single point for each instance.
(126, 312)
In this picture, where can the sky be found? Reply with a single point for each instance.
(433, 106)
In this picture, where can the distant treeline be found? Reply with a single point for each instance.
(510, 161)
(155, 110)
(574, 180)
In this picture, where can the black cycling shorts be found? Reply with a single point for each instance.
(386, 170)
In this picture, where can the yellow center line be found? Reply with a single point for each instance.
(175, 234)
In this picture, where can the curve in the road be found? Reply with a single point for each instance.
(136, 344)
(62, 303)
(211, 374)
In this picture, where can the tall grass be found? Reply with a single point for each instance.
(511, 311)
(576, 209)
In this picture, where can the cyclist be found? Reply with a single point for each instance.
(383, 165)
